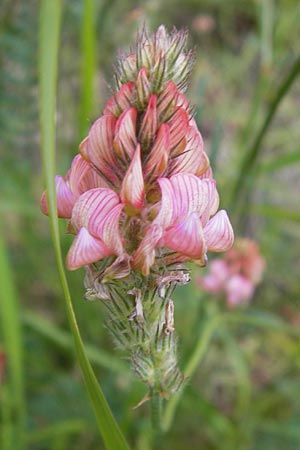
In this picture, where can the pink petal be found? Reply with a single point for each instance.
(64, 197)
(159, 154)
(192, 159)
(143, 88)
(166, 102)
(99, 210)
(192, 194)
(186, 238)
(86, 249)
(132, 191)
(149, 125)
(100, 199)
(121, 100)
(98, 147)
(78, 170)
(144, 257)
(179, 125)
(91, 180)
(168, 209)
(218, 233)
(125, 134)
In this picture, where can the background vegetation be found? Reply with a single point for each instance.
(244, 394)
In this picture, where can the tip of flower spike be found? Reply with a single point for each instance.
(161, 53)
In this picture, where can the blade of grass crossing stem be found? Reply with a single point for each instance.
(50, 18)
(252, 154)
(14, 400)
(88, 65)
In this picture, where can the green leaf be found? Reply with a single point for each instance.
(50, 19)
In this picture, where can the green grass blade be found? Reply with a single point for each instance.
(12, 337)
(50, 18)
(88, 65)
(64, 340)
(251, 155)
(275, 212)
(280, 162)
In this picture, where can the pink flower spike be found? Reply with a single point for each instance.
(186, 238)
(218, 233)
(121, 100)
(99, 210)
(159, 154)
(125, 134)
(64, 197)
(132, 191)
(86, 249)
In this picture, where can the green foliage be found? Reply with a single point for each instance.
(242, 365)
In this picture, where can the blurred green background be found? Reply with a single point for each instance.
(245, 394)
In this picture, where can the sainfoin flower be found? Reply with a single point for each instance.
(140, 196)
(237, 274)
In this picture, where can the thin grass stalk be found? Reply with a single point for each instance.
(88, 65)
(14, 395)
(252, 154)
(50, 20)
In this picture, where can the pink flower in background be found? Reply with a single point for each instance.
(141, 188)
(236, 274)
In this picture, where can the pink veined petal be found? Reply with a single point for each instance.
(133, 191)
(166, 102)
(148, 126)
(218, 233)
(179, 124)
(186, 238)
(192, 159)
(91, 180)
(143, 88)
(144, 257)
(64, 197)
(79, 168)
(125, 134)
(159, 154)
(192, 194)
(106, 227)
(101, 200)
(86, 249)
(239, 290)
(168, 207)
(121, 100)
(98, 148)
